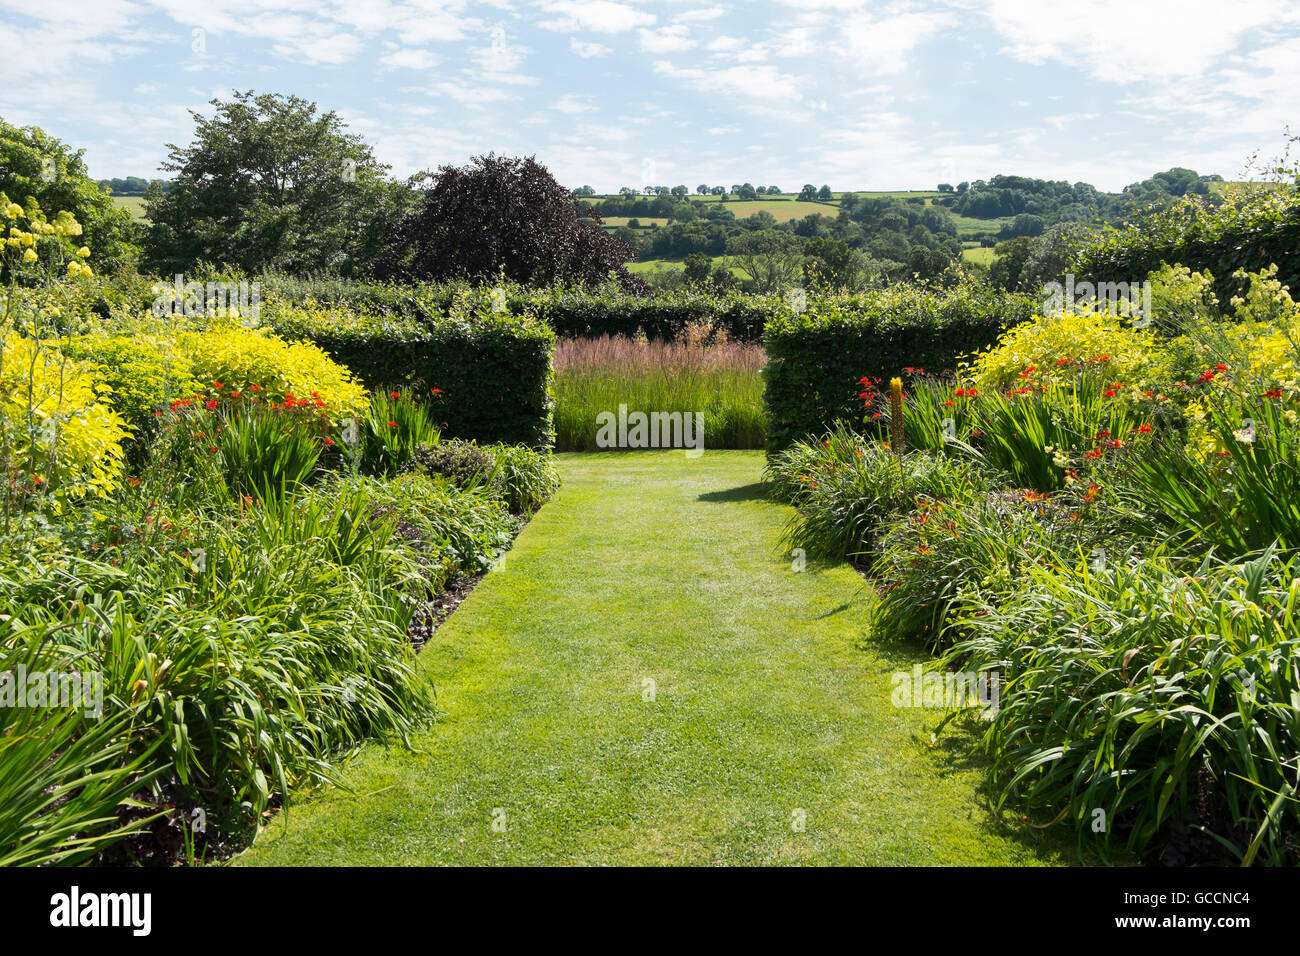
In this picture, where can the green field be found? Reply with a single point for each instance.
(133, 204)
(613, 222)
(978, 254)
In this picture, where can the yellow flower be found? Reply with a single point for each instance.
(29, 255)
(13, 211)
(84, 252)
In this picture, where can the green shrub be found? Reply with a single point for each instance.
(968, 551)
(526, 478)
(249, 649)
(1259, 229)
(493, 370)
(846, 492)
(390, 430)
(817, 358)
(463, 463)
(1155, 696)
(64, 773)
(460, 532)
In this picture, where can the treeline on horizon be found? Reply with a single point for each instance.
(317, 202)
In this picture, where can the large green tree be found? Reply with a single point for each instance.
(271, 183)
(37, 168)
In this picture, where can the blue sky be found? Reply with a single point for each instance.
(856, 94)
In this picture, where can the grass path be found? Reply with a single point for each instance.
(767, 701)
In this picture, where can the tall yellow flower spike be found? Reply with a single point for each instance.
(896, 415)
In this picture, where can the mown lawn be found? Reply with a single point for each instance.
(647, 681)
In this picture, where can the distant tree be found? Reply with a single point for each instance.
(962, 188)
(824, 194)
(504, 214)
(735, 189)
(761, 190)
(627, 191)
(268, 182)
(681, 192)
(696, 267)
(702, 189)
(721, 277)
(945, 187)
(829, 262)
(584, 191)
(747, 191)
(774, 190)
(634, 223)
(771, 258)
(1008, 263)
(808, 193)
(718, 191)
(37, 168)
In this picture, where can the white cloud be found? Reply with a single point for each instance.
(573, 103)
(668, 39)
(883, 46)
(763, 82)
(703, 13)
(409, 59)
(598, 16)
(588, 51)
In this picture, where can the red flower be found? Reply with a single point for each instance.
(437, 391)
(158, 411)
(394, 394)
(392, 424)
(1273, 393)
(1102, 358)
(234, 394)
(1110, 393)
(256, 388)
(1220, 367)
(1065, 361)
(1095, 453)
(949, 402)
(328, 440)
(960, 393)
(1144, 429)
(211, 404)
(216, 385)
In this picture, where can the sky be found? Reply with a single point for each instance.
(852, 93)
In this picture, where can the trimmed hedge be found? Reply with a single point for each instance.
(573, 312)
(494, 372)
(815, 359)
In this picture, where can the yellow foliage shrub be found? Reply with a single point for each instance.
(239, 358)
(58, 429)
(1053, 349)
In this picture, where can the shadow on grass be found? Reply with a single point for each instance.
(756, 491)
